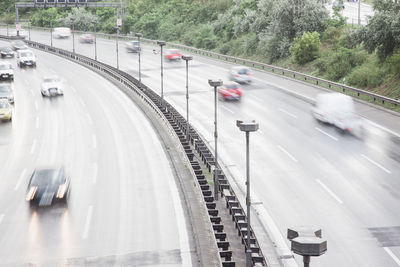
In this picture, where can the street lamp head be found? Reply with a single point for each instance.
(161, 43)
(187, 58)
(138, 34)
(247, 126)
(215, 83)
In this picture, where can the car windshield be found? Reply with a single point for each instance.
(231, 86)
(5, 88)
(19, 43)
(50, 80)
(242, 71)
(5, 66)
(4, 104)
(47, 177)
(5, 49)
(26, 54)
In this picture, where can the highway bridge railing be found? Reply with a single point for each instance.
(356, 92)
(175, 124)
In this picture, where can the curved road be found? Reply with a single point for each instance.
(124, 207)
(303, 173)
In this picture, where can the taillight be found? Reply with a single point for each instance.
(236, 75)
(31, 193)
(61, 191)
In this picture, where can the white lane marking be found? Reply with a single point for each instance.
(383, 128)
(287, 113)
(73, 89)
(32, 92)
(37, 122)
(21, 177)
(329, 191)
(391, 254)
(94, 139)
(287, 153)
(33, 146)
(325, 133)
(1, 217)
(95, 170)
(81, 100)
(36, 105)
(89, 118)
(227, 109)
(376, 164)
(87, 223)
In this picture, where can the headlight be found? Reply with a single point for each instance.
(31, 193)
(61, 191)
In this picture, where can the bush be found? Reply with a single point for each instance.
(205, 38)
(274, 47)
(306, 48)
(367, 75)
(394, 63)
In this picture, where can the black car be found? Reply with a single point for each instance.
(48, 186)
(6, 52)
(18, 45)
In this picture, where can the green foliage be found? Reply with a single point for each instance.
(205, 38)
(79, 19)
(306, 48)
(394, 62)
(367, 75)
(46, 17)
(274, 47)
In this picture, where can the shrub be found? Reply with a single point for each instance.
(367, 75)
(306, 48)
(394, 63)
(205, 38)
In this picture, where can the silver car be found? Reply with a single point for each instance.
(6, 71)
(6, 92)
(52, 86)
(240, 74)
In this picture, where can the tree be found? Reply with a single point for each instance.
(383, 30)
(82, 19)
(306, 48)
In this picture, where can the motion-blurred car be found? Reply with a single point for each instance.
(230, 91)
(52, 86)
(86, 38)
(6, 71)
(26, 58)
(173, 55)
(240, 74)
(18, 45)
(6, 92)
(133, 46)
(21, 33)
(6, 52)
(61, 32)
(337, 109)
(47, 186)
(5, 110)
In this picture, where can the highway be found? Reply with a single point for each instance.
(303, 172)
(125, 206)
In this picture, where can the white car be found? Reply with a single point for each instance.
(26, 57)
(52, 86)
(6, 71)
(337, 109)
(240, 74)
(61, 32)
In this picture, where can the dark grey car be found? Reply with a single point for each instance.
(48, 186)
(6, 52)
(18, 45)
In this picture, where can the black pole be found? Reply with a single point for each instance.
(95, 42)
(140, 70)
(51, 31)
(73, 38)
(306, 261)
(216, 171)
(248, 201)
(116, 43)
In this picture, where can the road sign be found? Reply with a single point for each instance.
(18, 27)
(119, 22)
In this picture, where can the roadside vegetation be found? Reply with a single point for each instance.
(295, 34)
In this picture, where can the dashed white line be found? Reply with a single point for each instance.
(325, 133)
(391, 254)
(1, 217)
(89, 118)
(36, 106)
(288, 113)
(87, 223)
(94, 139)
(227, 109)
(376, 164)
(20, 179)
(329, 191)
(81, 100)
(73, 89)
(95, 170)
(287, 153)
(32, 92)
(33, 146)
(37, 122)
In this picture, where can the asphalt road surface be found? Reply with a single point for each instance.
(124, 207)
(303, 172)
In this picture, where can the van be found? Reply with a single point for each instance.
(61, 32)
(337, 109)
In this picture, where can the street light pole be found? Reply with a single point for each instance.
(138, 35)
(215, 84)
(187, 59)
(161, 44)
(73, 35)
(359, 12)
(51, 31)
(95, 40)
(29, 30)
(116, 44)
(250, 126)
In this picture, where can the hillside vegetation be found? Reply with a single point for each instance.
(296, 34)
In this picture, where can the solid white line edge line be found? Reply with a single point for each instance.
(330, 192)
